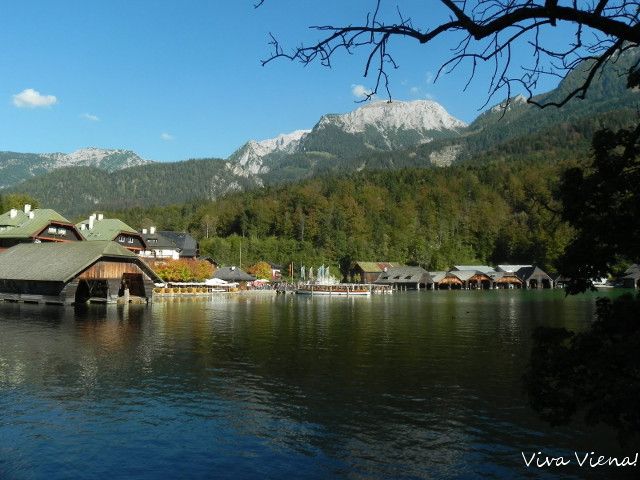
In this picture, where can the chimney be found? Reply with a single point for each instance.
(83, 226)
(13, 213)
(91, 220)
(144, 231)
(100, 216)
(152, 230)
(31, 215)
(27, 208)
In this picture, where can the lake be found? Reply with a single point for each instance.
(410, 385)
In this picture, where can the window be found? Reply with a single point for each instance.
(62, 231)
(52, 230)
(129, 240)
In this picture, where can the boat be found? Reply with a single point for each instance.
(338, 289)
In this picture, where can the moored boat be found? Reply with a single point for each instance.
(338, 289)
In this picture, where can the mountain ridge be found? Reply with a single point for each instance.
(16, 167)
(329, 148)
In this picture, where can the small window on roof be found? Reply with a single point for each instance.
(130, 240)
(407, 277)
(397, 277)
(52, 230)
(62, 231)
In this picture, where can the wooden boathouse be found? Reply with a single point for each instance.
(74, 273)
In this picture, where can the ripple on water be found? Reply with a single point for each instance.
(411, 385)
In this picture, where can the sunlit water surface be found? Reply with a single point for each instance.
(412, 385)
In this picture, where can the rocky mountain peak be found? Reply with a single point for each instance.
(418, 115)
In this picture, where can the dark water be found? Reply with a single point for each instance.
(415, 385)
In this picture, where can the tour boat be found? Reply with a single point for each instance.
(338, 289)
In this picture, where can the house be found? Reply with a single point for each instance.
(97, 228)
(35, 226)
(368, 272)
(534, 277)
(186, 245)
(405, 278)
(158, 246)
(73, 272)
(233, 274)
(166, 244)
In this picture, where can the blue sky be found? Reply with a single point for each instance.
(173, 80)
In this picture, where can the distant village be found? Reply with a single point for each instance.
(44, 258)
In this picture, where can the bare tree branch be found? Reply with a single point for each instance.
(491, 29)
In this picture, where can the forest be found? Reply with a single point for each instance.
(498, 212)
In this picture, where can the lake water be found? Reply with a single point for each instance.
(411, 385)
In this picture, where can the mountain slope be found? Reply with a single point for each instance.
(379, 126)
(17, 167)
(377, 136)
(79, 190)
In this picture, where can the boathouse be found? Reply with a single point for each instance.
(97, 228)
(534, 277)
(631, 278)
(369, 272)
(35, 226)
(405, 278)
(505, 279)
(466, 279)
(473, 268)
(511, 268)
(73, 273)
(437, 277)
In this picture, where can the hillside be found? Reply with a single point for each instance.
(78, 190)
(17, 167)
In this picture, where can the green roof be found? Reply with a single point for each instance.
(105, 229)
(21, 226)
(60, 262)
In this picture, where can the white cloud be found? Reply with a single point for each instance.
(415, 91)
(429, 96)
(429, 77)
(30, 98)
(90, 117)
(167, 137)
(360, 91)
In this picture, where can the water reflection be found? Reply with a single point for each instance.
(416, 385)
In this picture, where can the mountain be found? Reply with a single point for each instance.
(78, 190)
(249, 157)
(16, 167)
(378, 136)
(376, 127)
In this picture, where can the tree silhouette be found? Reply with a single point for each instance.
(488, 31)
